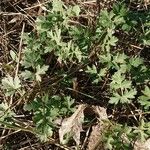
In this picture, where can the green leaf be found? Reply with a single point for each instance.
(46, 110)
(114, 100)
(57, 6)
(44, 132)
(102, 72)
(119, 20)
(128, 95)
(68, 104)
(5, 112)
(125, 97)
(99, 75)
(56, 35)
(145, 98)
(106, 19)
(27, 74)
(113, 40)
(120, 58)
(121, 89)
(136, 61)
(120, 9)
(13, 56)
(141, 131)
(11, 84)
(91, 70)
(109, 143)
(117, 80)
(146, 42)
(76, 10)
(124, 68)
(40, 71)
(106, 59)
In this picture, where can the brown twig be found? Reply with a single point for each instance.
(20, 49)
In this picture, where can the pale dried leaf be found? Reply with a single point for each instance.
(95, 140)
(72, 125)
(101, 112)
(14, 20)
(142, 145)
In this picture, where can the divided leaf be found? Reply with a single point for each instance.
(5, 112)
(76, 10)
(122, 89)
(40, 71)
(11, 84)
(145, 98)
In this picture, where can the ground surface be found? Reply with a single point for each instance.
(17, 17)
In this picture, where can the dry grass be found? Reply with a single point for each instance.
(18, 17)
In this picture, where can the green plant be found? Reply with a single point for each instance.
(142, 131)
(46, 111)
(64, 48)
(11, 85)
(5, 113)
(145, 98)
(97, 75)
(122, 89)
(119, 137)
(123, 136)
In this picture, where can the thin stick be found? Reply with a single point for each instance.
(38, 5)
(20, 49)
